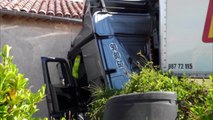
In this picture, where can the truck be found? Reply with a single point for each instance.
(177, 35)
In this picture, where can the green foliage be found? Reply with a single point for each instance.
(195, 100)
(16, 101)
(204, 111)
(100, 96)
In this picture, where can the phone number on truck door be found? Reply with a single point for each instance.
(180, 66)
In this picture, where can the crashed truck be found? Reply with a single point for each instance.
(177, 35)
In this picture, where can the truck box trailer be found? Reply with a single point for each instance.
(186, 37)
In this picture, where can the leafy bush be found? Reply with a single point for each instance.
(16, 101)
(204, 111)
(195, 100)
(101, 96)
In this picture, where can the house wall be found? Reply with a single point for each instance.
(32, 38)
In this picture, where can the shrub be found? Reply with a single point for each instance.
(16, 101)
(195, 101)
(97, 106)
(204, 111)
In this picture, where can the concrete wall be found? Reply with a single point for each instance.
(32, 38)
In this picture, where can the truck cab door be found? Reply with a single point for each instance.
(93, 64)
(61, 90)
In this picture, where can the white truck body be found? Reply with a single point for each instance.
(186, 37)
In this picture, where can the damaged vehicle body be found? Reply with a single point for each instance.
(103, 54)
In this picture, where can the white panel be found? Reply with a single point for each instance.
(182, 48)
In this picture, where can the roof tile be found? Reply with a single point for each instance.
(12, 4)
(36, 6)
(72, 9)
(51, 8)
(43, 9)
(4, 3)
(58, 8)
(65, 9)
(22, 4)
(61, 8)
(28, 5)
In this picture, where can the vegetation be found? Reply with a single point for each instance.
(16, 101)
(195, 100)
